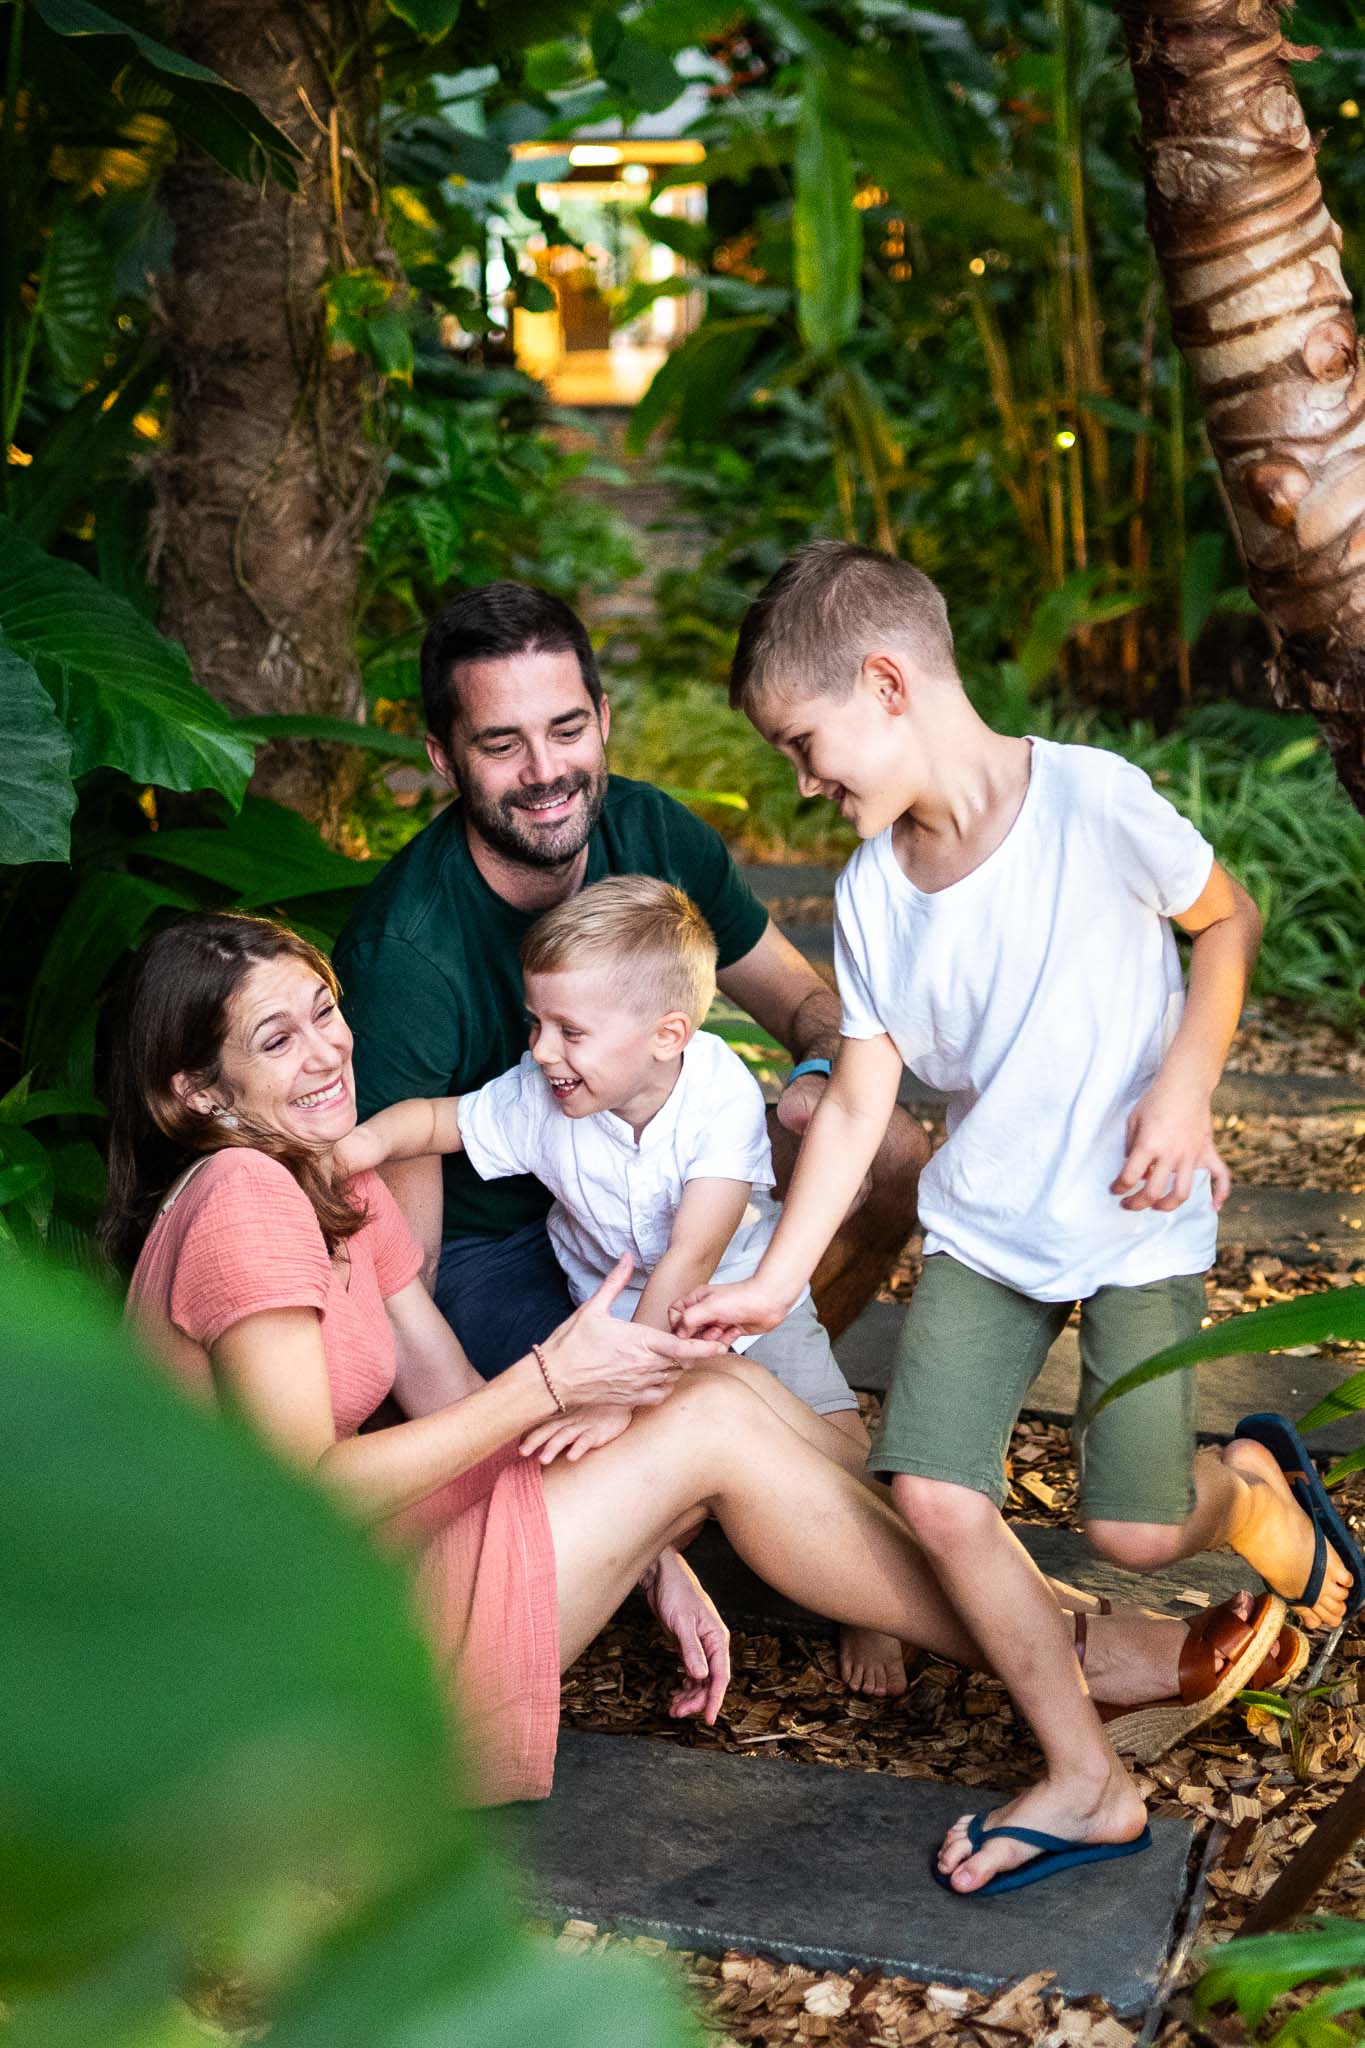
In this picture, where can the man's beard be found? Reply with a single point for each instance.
(510, 830)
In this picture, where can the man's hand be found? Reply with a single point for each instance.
(685, 1610)
(797, 1103)
(1170, 1137)
(587, 1429)
(359, 1152)
(736, 1309)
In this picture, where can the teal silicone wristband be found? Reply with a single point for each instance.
(808, 1067)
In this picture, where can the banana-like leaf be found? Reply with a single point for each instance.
(25, 1105)
(77, 295)
(37, 800)
(125, 694)
(223, 122)
(696, 381)
(826, 227)
(98, 424)
(342, 732)
(267, 855)
(1336, 1317)
(1347, 1399)
(107, 915)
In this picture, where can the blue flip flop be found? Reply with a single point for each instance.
(1055, 1855)
(1290, 1453)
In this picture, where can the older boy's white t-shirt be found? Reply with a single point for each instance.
(615, 1193)
(1040, 993)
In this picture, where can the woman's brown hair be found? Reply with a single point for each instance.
(174, 1020)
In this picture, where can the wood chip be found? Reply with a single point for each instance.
(829, 1999)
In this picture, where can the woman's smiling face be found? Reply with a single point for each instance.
(286, 1059)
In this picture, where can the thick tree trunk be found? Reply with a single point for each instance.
(1262, 314)
(272, 464)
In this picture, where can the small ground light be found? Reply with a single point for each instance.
(977, 266)
(635, 174)
(1066, 439)
(1349, 109)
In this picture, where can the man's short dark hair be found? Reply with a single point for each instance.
(496, 620)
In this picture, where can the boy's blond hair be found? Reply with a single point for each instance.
(809, 630)
(651, 939)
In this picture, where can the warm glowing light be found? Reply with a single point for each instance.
(871, 195)
(147, 425)
(901, 271)
(640, 150)
(584, 154)
(1350, 110)
(977, 266)
(1066, 439)
(18, 457)
(636, 174)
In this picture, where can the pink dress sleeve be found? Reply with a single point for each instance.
(397, 1254)
(251, 1242)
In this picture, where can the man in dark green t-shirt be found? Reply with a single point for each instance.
(517, 725)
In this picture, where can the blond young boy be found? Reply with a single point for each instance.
(1005, 931)
(650, 1134)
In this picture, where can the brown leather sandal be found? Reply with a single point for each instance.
(1261, 1653)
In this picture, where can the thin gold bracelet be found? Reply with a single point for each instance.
(550, 1387)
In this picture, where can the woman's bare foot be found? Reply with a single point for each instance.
(1074, 1810)
(871, 1663)
(1276, 1537)
(1133, 1657)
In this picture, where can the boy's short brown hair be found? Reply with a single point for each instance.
(808, 630)
(652, 940)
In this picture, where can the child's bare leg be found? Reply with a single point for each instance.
(1006, 1604)
(1243, 1499)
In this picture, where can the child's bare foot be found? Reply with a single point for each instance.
(1276, 1537)
(1074, 1810)
(871, 1663)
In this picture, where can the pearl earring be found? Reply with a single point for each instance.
(223, 1116)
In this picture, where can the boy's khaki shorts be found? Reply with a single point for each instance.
(971, 1349)
(798, 1353)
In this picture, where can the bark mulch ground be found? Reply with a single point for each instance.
(1264, 1778)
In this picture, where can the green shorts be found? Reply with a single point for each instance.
(971, 1349)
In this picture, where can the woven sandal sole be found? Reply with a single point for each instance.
(1145, 1733)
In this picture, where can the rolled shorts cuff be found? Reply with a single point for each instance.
(1165, 1513)
(892, 1464)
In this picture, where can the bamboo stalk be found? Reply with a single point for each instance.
(1026, 495)
(1139, 540)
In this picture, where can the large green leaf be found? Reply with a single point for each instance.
(224, 123)
(125, 694)
(37, 800)
(432, 19)
(639, 71)
(70, 457)
(220, 1682)
(374, 739)
(696, 381)
(1336, 1317)
(77, 294)
(1259, 1969)
(267, 855)
(826, 228)
(107, 915)
(225, 1732)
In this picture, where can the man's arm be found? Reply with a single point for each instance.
(1170, 1133)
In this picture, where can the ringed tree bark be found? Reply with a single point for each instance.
(272, 463)
(1262, 314)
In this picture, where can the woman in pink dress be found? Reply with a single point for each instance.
(266, 1285)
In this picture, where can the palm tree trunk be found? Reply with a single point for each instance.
(1262, 314)
(272, 464)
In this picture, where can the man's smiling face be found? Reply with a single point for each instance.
(527, 755)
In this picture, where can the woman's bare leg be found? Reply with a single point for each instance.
(803, 1521)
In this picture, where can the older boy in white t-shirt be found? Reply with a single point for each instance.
(652, 1137)
(1005, 930)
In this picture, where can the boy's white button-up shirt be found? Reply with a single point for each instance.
(1040, 992)
(615, 1193)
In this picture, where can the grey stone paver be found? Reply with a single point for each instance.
(828, 1868)
(1235, 1095)
(1228, 1387)
(747, 1602)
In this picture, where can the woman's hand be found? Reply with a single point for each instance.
(575, 1434)
(685, 1610)
(594, 1357)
